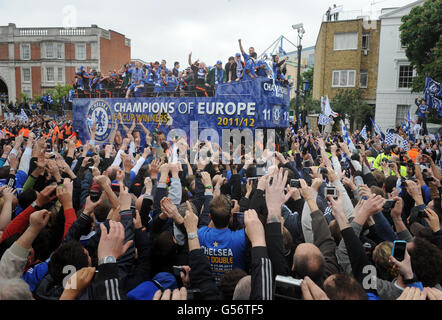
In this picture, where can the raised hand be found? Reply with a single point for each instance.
(112, 242)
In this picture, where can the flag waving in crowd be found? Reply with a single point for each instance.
(433, 95)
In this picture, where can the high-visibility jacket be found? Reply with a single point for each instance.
(5, 132)
(24, 132)
(413, 154)
(55, 132)
(78, 143)
(68, 130)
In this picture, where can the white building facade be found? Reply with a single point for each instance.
(393, 94)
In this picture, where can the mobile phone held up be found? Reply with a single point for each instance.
(331, 191)
(294, 183)
(389, 204)
(399, 247)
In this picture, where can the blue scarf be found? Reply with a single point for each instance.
(219, 79)
(239, 68)
(201, 73)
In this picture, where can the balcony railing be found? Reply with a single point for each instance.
(352, 15)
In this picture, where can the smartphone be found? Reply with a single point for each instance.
(238, 219)
(399, 247)
(94, 195)
(177, 270)
(331, 191)
(294, 183)
(115, 188)
(389, 204)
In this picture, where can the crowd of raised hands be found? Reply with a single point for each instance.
(103, 222)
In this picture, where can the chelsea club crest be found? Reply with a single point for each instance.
(101, 113)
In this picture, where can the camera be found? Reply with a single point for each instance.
(323, 171)
(428, 179)
(295, 183)
(288, 288)
(389, 204)
(331, 191)
(94, 195)
(254, 180)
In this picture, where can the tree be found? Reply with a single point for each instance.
(421, 34)
(61, 91)
(24, 97)
(350, 105)
(312, 106)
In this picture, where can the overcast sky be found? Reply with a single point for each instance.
(171, 29)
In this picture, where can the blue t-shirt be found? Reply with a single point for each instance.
(224, 248)
(171, 84)
(250, 66)
(137, 76)
(261, 71)
(421, 110)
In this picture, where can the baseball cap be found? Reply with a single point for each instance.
(219, 62)
(238, 55)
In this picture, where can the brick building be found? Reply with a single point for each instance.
(347, 56)
(33, 60)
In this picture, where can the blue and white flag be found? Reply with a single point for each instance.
(292, 130)
(346, 137)
(323, 120)
(433, 95)
(377, 129)
(23, 115)
(405, 145)
(389, 138)
(326, 108)
(408, 122)
(363, 133)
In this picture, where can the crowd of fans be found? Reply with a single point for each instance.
(157, 79)
(137, 218)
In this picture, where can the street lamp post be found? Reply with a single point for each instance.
(301, 32)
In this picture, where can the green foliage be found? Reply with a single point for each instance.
(61, 91)
(350, 105)
(421, 32)
(24, 97)
(312, 106)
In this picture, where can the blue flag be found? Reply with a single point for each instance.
(23, 115)
(363, 133)
(378, 129)
(433, 95)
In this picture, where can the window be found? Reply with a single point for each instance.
(26, 74)
(60, 74)
(346, 41)
(26, 52)
(80, 51)
(405, 76)
(59, 50)
(363, 79)
(49, 50)
(401, 113)
(50, 74)
(27, 91)
(343, 78)
(366, 41)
